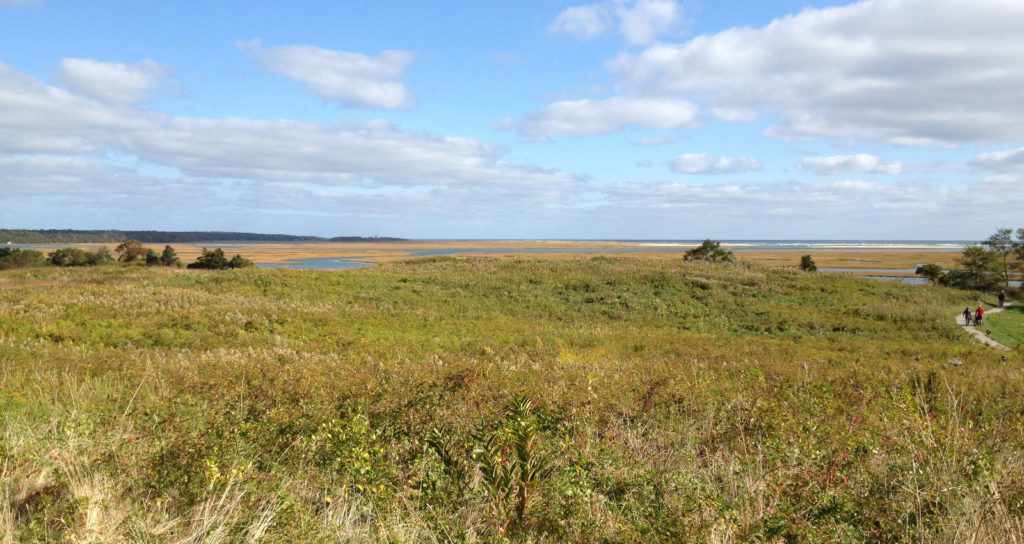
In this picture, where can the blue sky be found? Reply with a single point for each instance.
(623, 119)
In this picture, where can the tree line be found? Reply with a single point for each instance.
(982, 267)
(129, 251)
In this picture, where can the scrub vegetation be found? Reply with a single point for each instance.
(600, 400)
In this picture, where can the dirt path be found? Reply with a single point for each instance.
(980, 333)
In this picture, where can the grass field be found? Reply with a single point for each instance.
(491, 400)
(1007, 326)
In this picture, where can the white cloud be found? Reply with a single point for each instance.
(850, 163)
(43, 119)
(38, 118)
(700, 163)
(639, 22)
(907, 72)
(642, 22)
(590, 117)
(351, 78)
(1000, 161)
(582, 22)
(830, 210)
(114, 82)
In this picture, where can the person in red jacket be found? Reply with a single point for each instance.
(979, 314)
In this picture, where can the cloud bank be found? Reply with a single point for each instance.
(903, 72)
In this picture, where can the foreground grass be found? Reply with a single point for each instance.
(1007, 326)
(671, 401)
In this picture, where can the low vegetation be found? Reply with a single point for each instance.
(493, 401)
(128, 252)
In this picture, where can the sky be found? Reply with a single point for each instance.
(525, 119)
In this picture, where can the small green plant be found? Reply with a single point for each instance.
(446, 446)
(511, 463)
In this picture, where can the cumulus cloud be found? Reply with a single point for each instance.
(907, 72)
(639, 22)
(353, 79)
(114, 82)
(40, 118)
(590, 117)
(700, 163)
(850, 163)
(1000, 161)
(582, 22)
(645, 20)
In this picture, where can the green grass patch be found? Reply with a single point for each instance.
(1007, 326)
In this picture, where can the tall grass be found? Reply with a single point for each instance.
(674, 402)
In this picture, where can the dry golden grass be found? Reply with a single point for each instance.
(383, 252)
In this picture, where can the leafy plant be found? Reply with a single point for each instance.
(511, 463)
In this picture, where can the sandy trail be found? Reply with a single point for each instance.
(980, 333)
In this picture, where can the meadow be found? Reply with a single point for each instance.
(501, 400)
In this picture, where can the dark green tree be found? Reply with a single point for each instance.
(978, 270)
(1018, 249)
(169, 257)
(152, 259)
(931, 271)
(709, 251)
(239, 261)
(807, 264)
(1001, 243)
(210, 260)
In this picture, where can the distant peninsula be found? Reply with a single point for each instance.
(71, 236)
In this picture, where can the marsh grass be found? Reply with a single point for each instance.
(674, 402)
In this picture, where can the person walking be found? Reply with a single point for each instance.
(979, 315)
(1002, 297)
(967, 316)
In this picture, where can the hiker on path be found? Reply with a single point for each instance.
(1002, 297)
(967, 316)
(979, 315)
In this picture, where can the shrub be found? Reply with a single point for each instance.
(807, 264)
(709, 251)
(20, 258)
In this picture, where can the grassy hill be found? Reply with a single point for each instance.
(485, 401)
